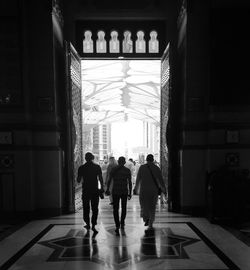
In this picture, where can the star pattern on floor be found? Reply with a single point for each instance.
(119, 250)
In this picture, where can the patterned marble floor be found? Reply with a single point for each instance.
(177, 242)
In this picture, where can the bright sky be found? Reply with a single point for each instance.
(126, 135)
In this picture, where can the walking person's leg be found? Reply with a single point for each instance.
(144, 209)
(111, 196)
(94, 207)
(86, 209)
(124, 209)
(152, 208)
(116, 200)
(111, 199)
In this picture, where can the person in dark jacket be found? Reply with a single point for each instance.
(122, 188)
(90, 173)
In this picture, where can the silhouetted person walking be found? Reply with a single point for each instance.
(112, 163)
(122, 188)
(90, 173)
(130, 165)
(148, 181)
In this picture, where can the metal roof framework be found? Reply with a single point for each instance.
(118, 90)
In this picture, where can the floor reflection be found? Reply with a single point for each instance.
(132, 245)
(86, 248)
(162, 243)
(178, 242)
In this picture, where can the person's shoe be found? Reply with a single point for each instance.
(150, 231)
(94, 230)
(87, 227)
(150, 228)
(122, 226)
(146, 222)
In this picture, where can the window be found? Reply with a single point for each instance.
(140, 45)
(101, 43)
(105, 146)
(121, 38)
(114, 44)
(88, 42)
(153, 42)
(127, 44)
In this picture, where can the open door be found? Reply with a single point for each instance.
(165, 90)
(74, 122)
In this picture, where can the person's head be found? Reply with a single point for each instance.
(150, 158)
(89, 157)
(121, 160)
(131, 159)
(112, 160)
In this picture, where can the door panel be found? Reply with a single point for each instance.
(165, 88)
(74, 122)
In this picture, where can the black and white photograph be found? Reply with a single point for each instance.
(124, 135)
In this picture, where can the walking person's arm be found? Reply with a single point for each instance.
(129, 186)
(108, 184)
(137, 182)
(107, 176)
(161, 181)
(79, 176)
(101, 179)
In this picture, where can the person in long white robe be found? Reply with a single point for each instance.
(147, 189)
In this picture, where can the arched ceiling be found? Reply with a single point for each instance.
(117, 90)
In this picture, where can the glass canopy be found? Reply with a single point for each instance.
(117, 90)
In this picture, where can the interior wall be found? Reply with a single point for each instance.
(35, 169)
(47, 79)
(216, 99)
(17, 192)
(195, 58)
(229, 114)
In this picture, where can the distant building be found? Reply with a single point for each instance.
(101, 141)
(151, 139)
